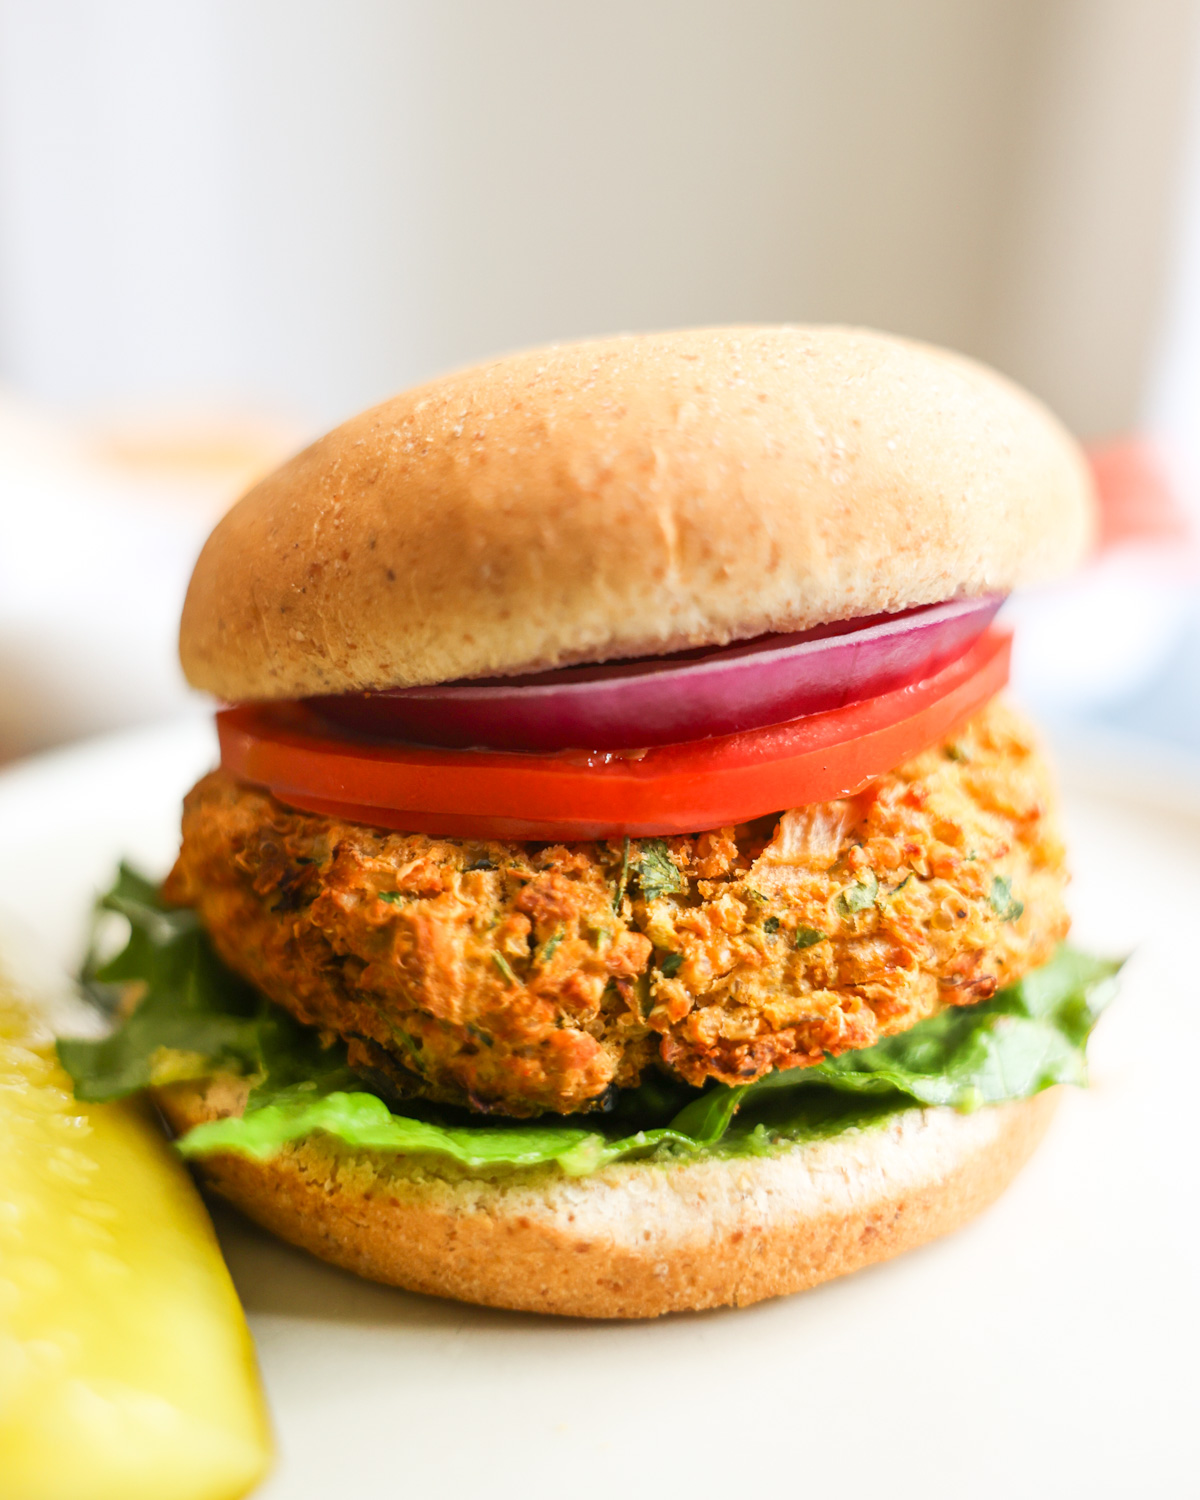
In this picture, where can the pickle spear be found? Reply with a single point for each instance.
(126, 1368)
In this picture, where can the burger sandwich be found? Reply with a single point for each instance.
(624, 888)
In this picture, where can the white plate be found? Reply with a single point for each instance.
(1048, 1349)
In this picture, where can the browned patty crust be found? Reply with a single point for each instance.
(524, 977)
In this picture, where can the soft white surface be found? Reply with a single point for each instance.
(1088, 642)
(1047, 1349)
(99, 528)
(93, 569)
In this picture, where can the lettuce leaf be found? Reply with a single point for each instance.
(1029, 1036)
(194, 1017)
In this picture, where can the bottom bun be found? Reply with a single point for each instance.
(635, 1239)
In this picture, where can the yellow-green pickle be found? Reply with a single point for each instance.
(126, 1368)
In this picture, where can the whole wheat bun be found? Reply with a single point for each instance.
(634, 1240)
(628, 497)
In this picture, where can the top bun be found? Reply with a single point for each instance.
(627, 497)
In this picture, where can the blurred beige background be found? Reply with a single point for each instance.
(225, 214)
(305, 205)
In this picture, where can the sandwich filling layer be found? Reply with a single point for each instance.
(519, 979)
(732, 991)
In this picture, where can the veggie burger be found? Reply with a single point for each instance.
(623, 889)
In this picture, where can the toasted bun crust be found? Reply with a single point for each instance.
(631, 496)
(635, 1240)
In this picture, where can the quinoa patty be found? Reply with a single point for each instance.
(521, 978)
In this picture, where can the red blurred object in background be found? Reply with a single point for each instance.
(1138, 499)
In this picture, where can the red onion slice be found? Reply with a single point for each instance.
(663, 700)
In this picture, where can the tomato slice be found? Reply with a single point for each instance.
(682, 788)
